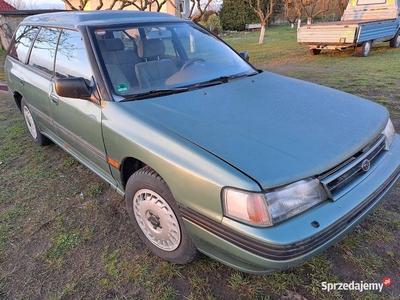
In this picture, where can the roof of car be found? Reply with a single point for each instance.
(99, 17)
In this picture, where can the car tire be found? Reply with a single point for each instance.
(395, 41)
(32, 126)
(364, 49)
(156, 217)
(314, 51)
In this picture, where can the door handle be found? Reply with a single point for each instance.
(22, 81)
(54, 99)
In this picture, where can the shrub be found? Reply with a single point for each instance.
(213, 24)
(235, 14)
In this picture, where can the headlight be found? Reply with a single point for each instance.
(260, 209)
(295, 198)
(389, 132)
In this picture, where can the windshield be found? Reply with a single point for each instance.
(140, 60)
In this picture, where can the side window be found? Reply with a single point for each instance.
(23, 40)
(44, 49)
(129, 38)
(169, 47)
(188, 41)
(201, 45)
(166, 36)
(71, 58)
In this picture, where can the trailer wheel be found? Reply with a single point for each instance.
(364, 49)
(395, 41)
(314, 51)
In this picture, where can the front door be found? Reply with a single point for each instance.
(78, 121)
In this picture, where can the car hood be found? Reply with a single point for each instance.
(273, 128)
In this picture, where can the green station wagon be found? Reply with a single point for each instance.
(256, 170)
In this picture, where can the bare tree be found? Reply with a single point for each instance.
(82, 4)
(119, 4)
(143, 4)
(258, 6)
(292, 11)
(341, 6)
(196, 10)
(313, 8)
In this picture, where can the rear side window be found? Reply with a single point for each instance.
(44, 49)
(72, 60)
(23, 40)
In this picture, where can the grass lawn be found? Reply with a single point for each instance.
(65, 234)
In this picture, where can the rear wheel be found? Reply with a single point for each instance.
(156, 217)
(37, 136)
(395, 41)
(364, 49)
(314, 51)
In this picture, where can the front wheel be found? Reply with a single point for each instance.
(364, 49)
(156, 218)
(395, 41)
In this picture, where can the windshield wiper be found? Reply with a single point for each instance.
(155, 93)
(171, 91)
(223, 79)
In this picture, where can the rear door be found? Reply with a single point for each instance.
(35, 77)
(18, 56)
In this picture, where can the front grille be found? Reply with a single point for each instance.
(337, 180)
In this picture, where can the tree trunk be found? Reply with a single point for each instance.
(262, 33)
(308, 20)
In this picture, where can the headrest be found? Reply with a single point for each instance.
(102, 46)
(151, 48)
(114, 44)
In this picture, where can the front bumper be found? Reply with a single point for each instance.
(285, 245)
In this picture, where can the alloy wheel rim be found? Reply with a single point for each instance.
(157, 220)
(30, 123)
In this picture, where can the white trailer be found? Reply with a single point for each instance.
(364, 23)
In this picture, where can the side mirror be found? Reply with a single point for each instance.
(72, 87)
(245, 55)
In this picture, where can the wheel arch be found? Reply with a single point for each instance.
(129, 165)
(17, 98)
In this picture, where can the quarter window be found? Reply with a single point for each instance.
(44, 49)
(23, 40)
(71, 59)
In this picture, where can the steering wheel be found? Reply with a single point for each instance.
(191, 62)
